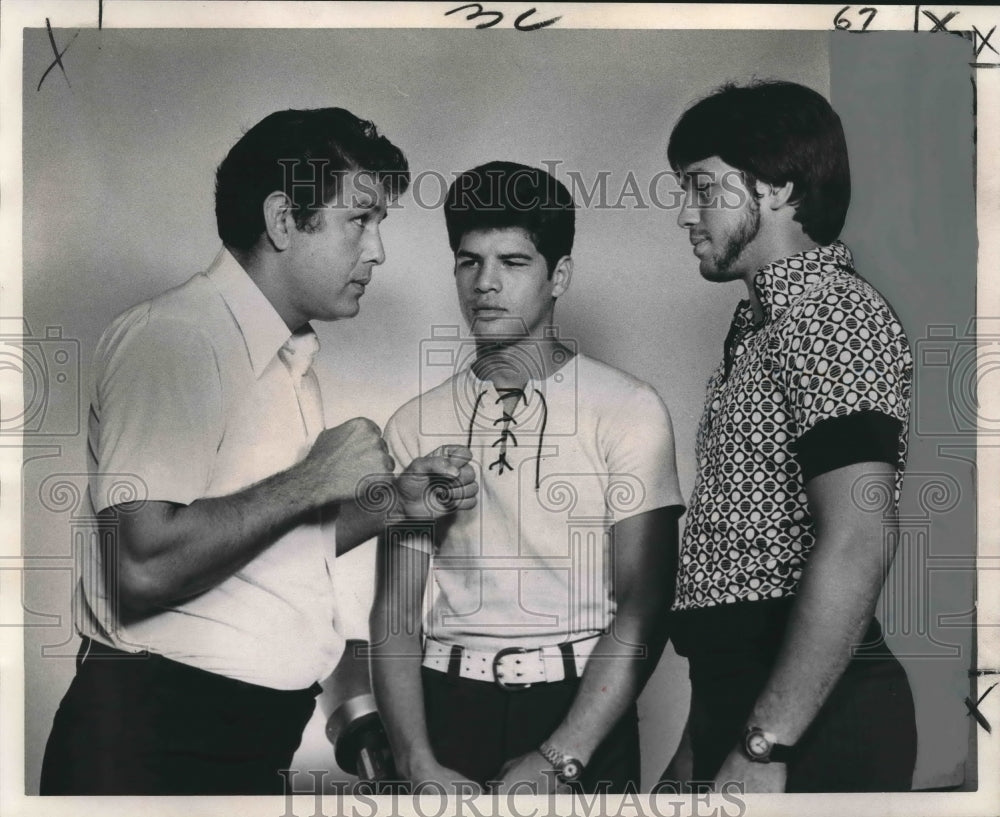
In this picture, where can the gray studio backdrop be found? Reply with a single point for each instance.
(118, 206)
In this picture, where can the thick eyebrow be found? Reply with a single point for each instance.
(507, 256)
(698, 175)
(363, 207)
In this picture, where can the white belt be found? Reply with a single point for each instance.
(511, 667)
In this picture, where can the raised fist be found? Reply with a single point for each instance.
(437, 484)
(342, 457)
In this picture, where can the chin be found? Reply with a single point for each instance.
(341, 312)
(507, 327)
(719, 276)
(709, 273)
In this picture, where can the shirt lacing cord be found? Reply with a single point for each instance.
(502, 463)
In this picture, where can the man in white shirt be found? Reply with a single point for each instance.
(548, 599)
(207, 610)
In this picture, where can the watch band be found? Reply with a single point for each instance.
(763, 747)
(567, 768)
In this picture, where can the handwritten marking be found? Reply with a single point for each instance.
(519, 22)
(974, 709)
(977, 672)
(100, 14)
(479, 12)
(842, 22)
(940, 25)
(984, 42)
(59, 55)
(533, 26)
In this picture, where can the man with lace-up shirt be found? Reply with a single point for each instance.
(547, 600)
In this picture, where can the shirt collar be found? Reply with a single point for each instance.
(782, 282)
(490, 403)
(475, 386)
(264, 332)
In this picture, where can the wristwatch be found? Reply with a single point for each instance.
(763, 747)
(567, 768)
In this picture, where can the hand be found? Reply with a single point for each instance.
(438, 484)
(341, 458)
(534, 770)
(754, 777)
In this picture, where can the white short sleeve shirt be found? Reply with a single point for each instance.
(190, 401)
(530, 564)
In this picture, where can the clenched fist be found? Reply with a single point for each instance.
(437, 484)
(341, 458)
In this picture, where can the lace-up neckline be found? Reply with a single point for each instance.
(506, 434)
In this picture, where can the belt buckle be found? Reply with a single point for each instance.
(501, 654)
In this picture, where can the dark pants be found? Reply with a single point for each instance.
(863, 738)
(475, 727)
(148, 725)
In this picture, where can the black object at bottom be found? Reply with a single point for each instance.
(476, 727)
(362, 749)
(148, 725)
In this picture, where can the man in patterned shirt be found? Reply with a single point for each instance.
(805, 421)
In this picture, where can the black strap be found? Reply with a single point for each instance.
(455, 661)
(781, 753)
(569, 660)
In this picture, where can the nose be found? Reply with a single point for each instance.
(688, 215)
(374, 251)
(488, 280)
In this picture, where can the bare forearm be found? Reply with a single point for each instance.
(625, 657)
(837, 595)
(356, 525)
(398, 690)
(834, 605)
(168, 552)
(397, 651)
(612, 680)
(172, 552)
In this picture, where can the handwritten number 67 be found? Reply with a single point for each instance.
(842, 22)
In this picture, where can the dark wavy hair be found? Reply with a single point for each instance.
(775, 132)
(498, 195)
(303, 153)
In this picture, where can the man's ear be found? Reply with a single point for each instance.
(776, 196)
(278, 220)
(562, 274)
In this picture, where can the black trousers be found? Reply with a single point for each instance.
(149, 725)
(864, 737)
(475, 727)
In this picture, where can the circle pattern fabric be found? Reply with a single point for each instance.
(829, 346)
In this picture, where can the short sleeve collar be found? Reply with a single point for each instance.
(264, 332)
(781, 283)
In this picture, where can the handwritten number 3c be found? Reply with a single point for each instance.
(519, 23)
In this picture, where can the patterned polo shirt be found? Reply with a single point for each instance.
(824, 380)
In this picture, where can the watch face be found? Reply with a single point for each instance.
(571, 769)
(758, 745)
